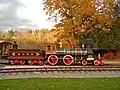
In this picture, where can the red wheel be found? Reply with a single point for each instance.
(12, 62)
(96, 62)
(52, 59)
(40, 62)
(68, 59)
(35, 61)
(31, 62)
(22, 62)
(84, 62)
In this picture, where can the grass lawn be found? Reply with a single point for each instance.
(61, 84)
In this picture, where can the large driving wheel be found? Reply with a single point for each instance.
(68, 59)
(52, 59)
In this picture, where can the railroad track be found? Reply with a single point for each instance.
(14, 69)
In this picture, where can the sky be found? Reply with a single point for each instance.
(23, 14)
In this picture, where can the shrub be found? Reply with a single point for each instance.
(109, 55)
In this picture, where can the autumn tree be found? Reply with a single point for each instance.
(29, 31)
(37, 37)
(2, 35)
(80, 17)
(9, 35)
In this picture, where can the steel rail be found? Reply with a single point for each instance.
(59, 66)
(52, 69)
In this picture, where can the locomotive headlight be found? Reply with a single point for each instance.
(90, 56)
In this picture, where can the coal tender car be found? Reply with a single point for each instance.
(68, 56)
(9, 53)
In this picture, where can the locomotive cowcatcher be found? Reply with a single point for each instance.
(68, 56)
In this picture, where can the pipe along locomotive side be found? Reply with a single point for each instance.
(68, 56)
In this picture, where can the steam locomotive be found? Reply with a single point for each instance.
(67, 56)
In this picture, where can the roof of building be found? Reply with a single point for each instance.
(5, 42)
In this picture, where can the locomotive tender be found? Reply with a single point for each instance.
(67, 56)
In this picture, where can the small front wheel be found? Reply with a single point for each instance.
(84, 62)
(96, 62)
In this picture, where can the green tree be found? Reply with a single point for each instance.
(116, 33)
(109, 39)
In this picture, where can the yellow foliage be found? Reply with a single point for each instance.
(80, 16)
(110, 23)
(105, 29)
